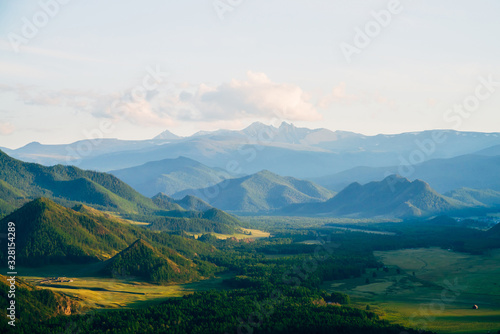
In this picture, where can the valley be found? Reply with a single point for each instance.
(434, 289)
(94, 292)
(183, 240)
(249, 167)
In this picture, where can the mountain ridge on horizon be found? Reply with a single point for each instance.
(168, 134)
(284, 150)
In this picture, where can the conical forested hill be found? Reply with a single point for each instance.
(48, 233)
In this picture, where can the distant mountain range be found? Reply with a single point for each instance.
(260, 192)
(466, 177)
(470, 171)
(285, 150)
(393, 197)
(170, 176)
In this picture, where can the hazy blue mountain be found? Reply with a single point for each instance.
(263, 191)
(193, 203)
(476, 197)
(165, 202)
(189, 203)
(167, 135)
(170, 176)
(75, 153)
(394, 197)
(495, 231)
(491, 151)
(469, 171)
(285, 150)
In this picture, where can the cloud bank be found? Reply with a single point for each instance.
(256, 96)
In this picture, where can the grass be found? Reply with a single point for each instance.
(438, 297)
(251, 233)
(103, 292)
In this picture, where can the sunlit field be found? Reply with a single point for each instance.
(435, 289)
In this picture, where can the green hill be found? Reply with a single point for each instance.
(142, 260)
(48, 233)
(190, 214)
(166, 202)
(193, 203)
(260, 192)
(170, 176)
(21, 182)
(212, 220)
(33, 304)
(189, 203)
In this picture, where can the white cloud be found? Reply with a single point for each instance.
(257, 96)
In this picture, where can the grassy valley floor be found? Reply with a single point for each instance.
(431, 289)
(98, 292)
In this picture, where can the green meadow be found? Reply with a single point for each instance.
(98, 292)
(432, 289)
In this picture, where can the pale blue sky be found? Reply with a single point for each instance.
(266, 60)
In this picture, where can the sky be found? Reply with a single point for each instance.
(73, 69)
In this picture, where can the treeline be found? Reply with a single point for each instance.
(194, 225)
(141, 260)
(238, 311)
(32, 304)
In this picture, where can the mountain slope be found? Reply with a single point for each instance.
(476, 197)
(170, 176)
(193, 203)
(166, 202)
(142, 260)
(494, 231)
(33, 304)
(48, 233)
(262, 191)
(395, 197)
(20, 180)
(491, 151)
(194, 215)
